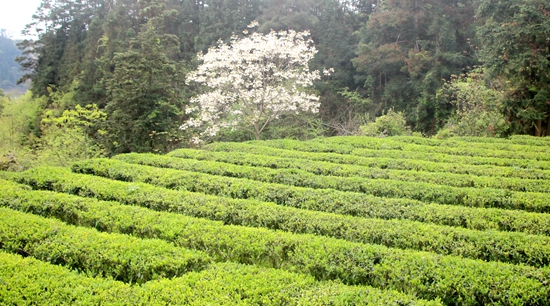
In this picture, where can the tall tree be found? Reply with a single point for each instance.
(515, 44)
(335, 39)
(283, 15)
(220, 19)
(146, 91)
(253, 81)
(109, 33)
(407, 48)
(54, 59)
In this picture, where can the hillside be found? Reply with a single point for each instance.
(330, 221)
(9, 69)
(476, 68)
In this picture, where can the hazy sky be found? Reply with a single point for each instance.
(15, 14)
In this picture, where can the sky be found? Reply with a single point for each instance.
(15, 14)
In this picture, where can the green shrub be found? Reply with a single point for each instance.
(478, 109)
(507, 247)
(347, 145)
(27, 281)
(357, 190)
(236, 164)
(8, 162)
(455, 280)
(116, 256)
(391, 124)
(402, 234)
(383, 162)
(71, 136)
(473, 218)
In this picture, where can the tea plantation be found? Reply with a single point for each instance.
(331, 221)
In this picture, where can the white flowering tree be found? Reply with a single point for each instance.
(252, 81)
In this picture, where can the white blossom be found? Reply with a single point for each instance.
(253, 80)
(328, 72)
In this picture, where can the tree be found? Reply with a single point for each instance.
(146, 94)
(3, 100)
(477, 105)
(219, 19)
(516, 48)
(390, 124)
(407, 48)
(253, 81)
(280, 15)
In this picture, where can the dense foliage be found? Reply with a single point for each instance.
(516, 49)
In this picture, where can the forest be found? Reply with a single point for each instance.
(112, 73)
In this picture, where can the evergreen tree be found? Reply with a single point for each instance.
(408, 47)
(146, 91)
(514, 36)
(220, 19)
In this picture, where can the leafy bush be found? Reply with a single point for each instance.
(18, 123)
(308, 174)
(301, 127)
(8, 162)
(121, 257)
(29, 281)
(391, 124)
(402, 234)
(33, 135)
(425, 275)
(327, 153)
(478, 110)
(3, 100)
(70, 137)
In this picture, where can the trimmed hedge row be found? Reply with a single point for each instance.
(535, 153)
(490, 246)
(455, 280)
(303, 178)
(348, 145)
(352, 190)
(303, 174)
(237, 284)
(445, 158)
(530, 140)
(29, 281)
(121, 257)
(514, 143)
(473, 218)
(383, 163)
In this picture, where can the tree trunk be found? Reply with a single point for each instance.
(415, 15)
(538, 128)
(257, 130)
